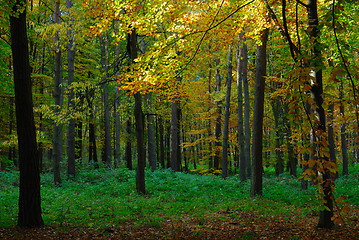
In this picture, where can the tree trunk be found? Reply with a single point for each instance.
(57, 130)
(139, 117)
(70, 65)
(241, 155)
(117, 130)
(343, 135)
(247, 128)
(104, 63)
(128, 150)
(151, 135)
(226, 116)
(218, 128)
(29, 214)
(277, 108)
(325, 217)
(175, 166)
(161, 140)
(257, 147)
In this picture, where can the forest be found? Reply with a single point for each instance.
(179, 119)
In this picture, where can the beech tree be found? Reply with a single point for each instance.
(29, 198)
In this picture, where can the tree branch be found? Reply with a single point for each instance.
(284, 33)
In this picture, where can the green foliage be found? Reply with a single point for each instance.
(103, 197)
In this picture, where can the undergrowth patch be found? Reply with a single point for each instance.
(103, 198)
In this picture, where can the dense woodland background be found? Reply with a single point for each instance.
(227, 88)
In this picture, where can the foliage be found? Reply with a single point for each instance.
(102, 198)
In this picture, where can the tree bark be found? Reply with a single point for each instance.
(139, 117)
(175, 130)
(226, 116)
(247, 128)
(128, 150)
(57, 129)
(151, 135)
(218, 128)
(161, 140)
(325, 217)
(343, 135)
(104, 63)
(241, 155)
(70, 66)
(257, 147)
(29, 214)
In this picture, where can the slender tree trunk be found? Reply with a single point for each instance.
(218, 129)
(151, 135)
(168, 144)
(331, 133)
(128, 150)
(140, 171)
(247, 128)
(70, 65)
(257, 147)
(104, 63)
(29, 214)
(276, 107)
(57, 132)
(343, 136)
(241, 155)
(175, 166)
(117, 130)
(78, 141)
(139, 117)
(209, 127)
(325, 217)
(226, 116)
(161, 145)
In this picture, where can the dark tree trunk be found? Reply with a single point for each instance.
(343, 136)
(277, 108)
(218, 128)
(93, 147)
(175, 166)
(257, 147)
(128, 150)
(104, 63)
(140, 171)
(331, 133)
(247, 128)
(151, 135)
(241, 155)
(139, 117)
(70, 66)
(325, 217)
(29, 193)
(161, 140)
(117, 130)
(57, 130)
(226, 116)
(78, 141)
(168, 145)
(209, 127)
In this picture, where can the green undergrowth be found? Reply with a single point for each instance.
(102, 198)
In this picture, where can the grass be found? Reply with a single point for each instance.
(102, 198)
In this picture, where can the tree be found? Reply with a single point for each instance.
(57, 129)
(257, 146)
(139, 117)
(240, 72)
(70, 68)
(104, 64)
(29, 198)
(226, 116)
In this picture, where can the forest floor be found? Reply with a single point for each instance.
(222, 225)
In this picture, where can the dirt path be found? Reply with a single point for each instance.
(243, 226)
